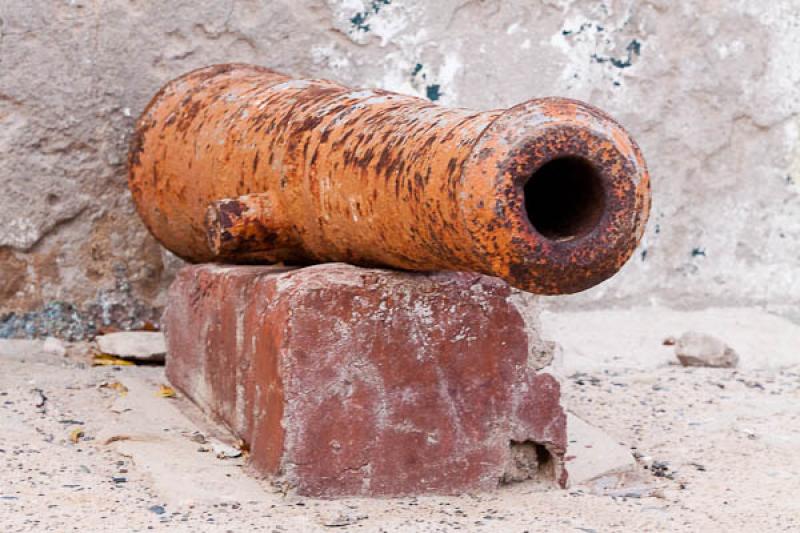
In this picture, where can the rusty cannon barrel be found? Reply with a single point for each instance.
(237, 163)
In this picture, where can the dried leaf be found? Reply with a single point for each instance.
(115, 385)
(243, 446)
(116, 438)
(75, 435)
(104, 359)
(165, 391)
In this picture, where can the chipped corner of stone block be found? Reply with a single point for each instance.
(541, 352)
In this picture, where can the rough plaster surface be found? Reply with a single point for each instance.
(711, 90)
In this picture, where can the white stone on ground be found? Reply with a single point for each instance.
(139, 345)
(699, 349)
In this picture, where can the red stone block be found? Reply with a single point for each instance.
(352, 381)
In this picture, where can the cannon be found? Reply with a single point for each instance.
(240, 164)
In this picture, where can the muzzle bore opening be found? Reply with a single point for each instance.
(565, 198)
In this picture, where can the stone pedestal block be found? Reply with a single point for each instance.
(352, 381)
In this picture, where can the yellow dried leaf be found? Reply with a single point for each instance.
(117, 386)
(243, 446)
(165, 391)
(75, 435)
(104, 359)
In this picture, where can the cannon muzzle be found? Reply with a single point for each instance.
(237, 163)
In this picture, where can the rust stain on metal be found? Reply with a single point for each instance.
(238, 163)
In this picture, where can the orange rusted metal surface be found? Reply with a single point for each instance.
(237, 163)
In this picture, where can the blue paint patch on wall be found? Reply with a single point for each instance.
(359, 20)
(634, 49)
(433, 92)
(581, 29)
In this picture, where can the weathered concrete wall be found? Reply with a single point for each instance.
(711, 89)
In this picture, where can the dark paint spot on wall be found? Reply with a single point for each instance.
(634, 48)
(359, 20)
(584, 26)
(433, 92)
(698, 252)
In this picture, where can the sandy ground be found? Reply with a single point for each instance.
(721, 447)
